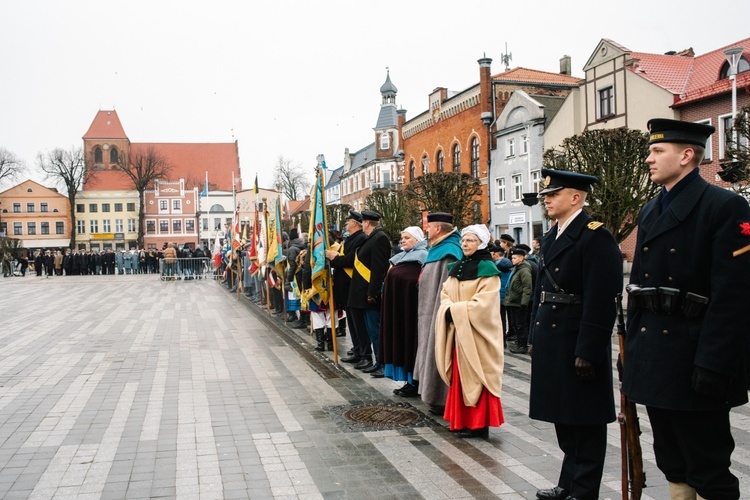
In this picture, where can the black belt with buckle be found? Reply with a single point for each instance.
(560, 298)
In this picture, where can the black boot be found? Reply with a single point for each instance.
(329, 340)
(291, 316)
(341, 330)
(320, 337)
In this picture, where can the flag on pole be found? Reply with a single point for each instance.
(253, 253)
(236, 242)
(255, 186)
(319, 241)
(274, 238)
(243, 239)
(263, 235)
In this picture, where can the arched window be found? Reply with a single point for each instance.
(98, 155)
(439, 160)
(385, 141)
(114, 157)
(217, 208)
(456, 158)
(742, 65)
(475, 157)
(412, 170)
(425, 165)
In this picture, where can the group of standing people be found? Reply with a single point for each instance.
(89, 262)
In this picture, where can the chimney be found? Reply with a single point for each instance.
(565, 65)
(485, 84)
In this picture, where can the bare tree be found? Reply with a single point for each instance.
(398, 210)
(292, 178)
(736, 164)
(452, 192)
(67, 167)
(143, 167)
(10, 165)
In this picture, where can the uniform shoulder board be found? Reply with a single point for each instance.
(594, 225)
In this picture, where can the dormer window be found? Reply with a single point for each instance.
(385, 141)
(742, 65)
(98, 156)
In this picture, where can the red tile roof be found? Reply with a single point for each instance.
(704, 79)
(106, 125)
(670, 72)
(535, 76)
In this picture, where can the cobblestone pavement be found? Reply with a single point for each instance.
(131, 387)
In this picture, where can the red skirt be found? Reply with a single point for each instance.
(487, 413)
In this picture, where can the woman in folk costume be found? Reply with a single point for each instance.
(398, 313)
(468, 343)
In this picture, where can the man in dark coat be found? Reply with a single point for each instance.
(366, 288)
(685, 354)
(570, 340)
(342, 263)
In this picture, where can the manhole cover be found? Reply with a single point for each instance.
(382, 415)
(377, 416)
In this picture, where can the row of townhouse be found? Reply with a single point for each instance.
(498, 129)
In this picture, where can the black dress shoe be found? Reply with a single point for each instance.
(483, 433)
(397, 392)
(341, 333)
(519, 349)
(363, 363)
(555, 493)
(437, 410)
(409, 391)
(350, 352)
(353, 358)
(371, 369)
(377, 373)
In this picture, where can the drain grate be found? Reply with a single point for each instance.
(377, 416)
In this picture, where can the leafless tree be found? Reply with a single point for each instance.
(10, 165)
(292, 178)
(67, 167)
(143, 166)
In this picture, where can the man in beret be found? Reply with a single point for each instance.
(580, 274)
(342, 263)
(444, 242)
(506, 243)
(365, 290)
(687, 334)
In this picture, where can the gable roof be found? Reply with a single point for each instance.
(525, 75)
(106, 125)
(669, 71)
(28, 182)
(298, 206)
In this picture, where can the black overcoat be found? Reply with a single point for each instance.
(343, 262)
(690, 247)
(585, 261)
(374, 253)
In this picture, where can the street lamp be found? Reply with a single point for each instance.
(733, 58)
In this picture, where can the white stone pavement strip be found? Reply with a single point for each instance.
(62, 417)
(286, 472)
(152, 420)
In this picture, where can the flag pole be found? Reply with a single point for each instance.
(320, 177)
(266, 268)
(282, 279)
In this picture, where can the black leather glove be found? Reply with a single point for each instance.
(585, 369)
(448, 315)
(709, 383)
(619, 368)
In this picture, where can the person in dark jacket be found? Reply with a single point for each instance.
(517, 300)
(686, 351)
(342, 263)
(570, 341)
(366, 288)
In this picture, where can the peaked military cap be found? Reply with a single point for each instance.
(355, 215)
(555, 180)
(665, 130)
(370, 215)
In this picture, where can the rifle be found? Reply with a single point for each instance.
(633, 477)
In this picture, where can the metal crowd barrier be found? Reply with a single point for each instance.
(193, 268)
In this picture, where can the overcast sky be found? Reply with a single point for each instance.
(295, 78)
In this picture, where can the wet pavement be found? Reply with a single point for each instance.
(132, 387)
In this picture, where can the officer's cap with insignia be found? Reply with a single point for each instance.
(555, 180)
(356, 216)
(370, 215)
(665, 130)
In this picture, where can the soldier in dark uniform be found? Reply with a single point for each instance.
(685, 354)
(342, 263)
(365, 290)
(580, 274)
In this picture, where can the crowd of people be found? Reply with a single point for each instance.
(439, 311)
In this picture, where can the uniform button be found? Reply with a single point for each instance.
(554, 307)
(672, 250)
(669, 279)
(645, 275)
(643, 329)
(665, 332)
(557, 269)
(537, 323)
(645, 249)
(554, 325)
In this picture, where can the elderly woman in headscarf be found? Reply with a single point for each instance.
(398, 314)
(468, 342)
